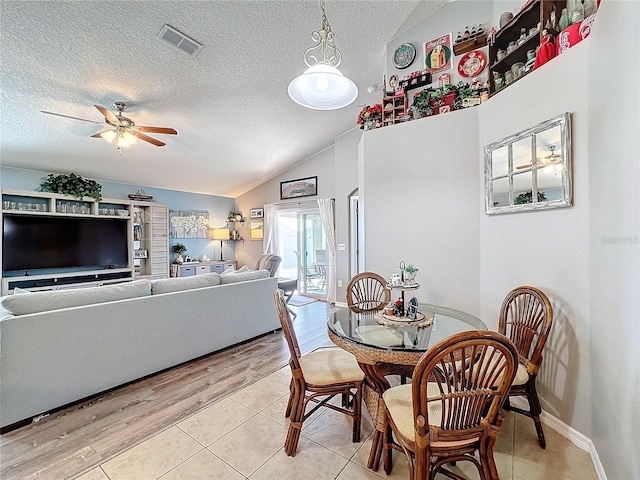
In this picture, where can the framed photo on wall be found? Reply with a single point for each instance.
(256, 213)
(256, 230)
(300, 187)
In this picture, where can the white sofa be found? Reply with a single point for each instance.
(62, 346)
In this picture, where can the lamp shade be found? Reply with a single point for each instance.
(221, 234)
(323, 87)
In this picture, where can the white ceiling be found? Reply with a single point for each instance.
(236, 125)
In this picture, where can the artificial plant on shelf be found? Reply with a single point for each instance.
(421, 106)
(73, 185)
(370, 117)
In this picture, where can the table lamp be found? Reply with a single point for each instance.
(221, 234)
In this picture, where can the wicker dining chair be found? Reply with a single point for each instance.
(323, 373)
(526, 317)
(367, 292)
(451, 409)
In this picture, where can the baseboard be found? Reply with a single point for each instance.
(578, 439)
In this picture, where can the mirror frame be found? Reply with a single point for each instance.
(564, 122)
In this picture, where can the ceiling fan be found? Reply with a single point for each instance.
(550, 159)
(122, 129)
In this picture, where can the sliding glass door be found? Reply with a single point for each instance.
(301, 243)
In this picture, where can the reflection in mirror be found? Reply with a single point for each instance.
(530, 170)
(500, 163)
(522, 154)
(523, 189)
(500, 192)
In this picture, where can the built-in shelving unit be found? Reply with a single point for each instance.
(146, 238)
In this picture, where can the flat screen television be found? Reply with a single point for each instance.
(31, 242)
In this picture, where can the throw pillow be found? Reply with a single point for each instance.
(229, 270)
(167, 285)
(244, 269)
(20, 291)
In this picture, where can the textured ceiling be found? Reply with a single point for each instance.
(236, 125)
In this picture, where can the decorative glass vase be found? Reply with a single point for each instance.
(410, 278)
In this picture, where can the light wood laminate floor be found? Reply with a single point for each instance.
(215, 418)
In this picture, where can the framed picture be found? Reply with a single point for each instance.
(256, 213)
(300, 187)
(256, 230)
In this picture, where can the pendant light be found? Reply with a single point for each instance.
(322, 86)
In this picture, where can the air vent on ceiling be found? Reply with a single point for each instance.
(179, 40)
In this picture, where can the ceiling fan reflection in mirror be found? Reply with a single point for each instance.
(551, 159)
(122, 130)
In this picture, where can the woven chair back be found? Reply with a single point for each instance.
(526, 317)
(367, 292)
(287, 328)
(469, 375)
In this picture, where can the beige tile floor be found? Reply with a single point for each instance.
(242, 437)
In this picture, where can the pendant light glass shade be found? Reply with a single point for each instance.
(323, 87)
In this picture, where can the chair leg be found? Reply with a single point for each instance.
(387, 452)
(295, 419)
(287, 412)
(357, 414)
(536, 410)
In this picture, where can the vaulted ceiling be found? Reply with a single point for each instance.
(236, 125)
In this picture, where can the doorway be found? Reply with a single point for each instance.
(301, 243)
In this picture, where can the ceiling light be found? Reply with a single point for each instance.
(130, 137)
(322, 86)
(108, 135)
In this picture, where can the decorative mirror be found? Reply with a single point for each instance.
(530, 170)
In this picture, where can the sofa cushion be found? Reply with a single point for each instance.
(167, 285)
(227, 278)
(57, 299)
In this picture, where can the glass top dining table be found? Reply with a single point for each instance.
(388, 346)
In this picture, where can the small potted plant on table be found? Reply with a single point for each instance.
(410, 272)
(178, 249)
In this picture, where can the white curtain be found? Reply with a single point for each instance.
(269, 229)
(327, 208)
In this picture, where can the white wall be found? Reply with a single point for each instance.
(419, 197)
(320, 165)
(547, 249)
(614, 143)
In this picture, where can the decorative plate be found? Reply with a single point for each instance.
(404, 56)
(472, 64)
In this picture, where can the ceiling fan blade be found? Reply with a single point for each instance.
(153, 141)
(72, 118)
(109, 115)
(99, 134)
(168, 131)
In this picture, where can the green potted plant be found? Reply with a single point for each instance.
(421, 106)
(410, 272)
(178, 249)
(73, 185)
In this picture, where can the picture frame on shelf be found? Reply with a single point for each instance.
(256, 213)
(256, 230)
(299, 187)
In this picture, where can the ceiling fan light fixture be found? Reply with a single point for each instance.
(322, 86)
(108, 135)
(130, 137)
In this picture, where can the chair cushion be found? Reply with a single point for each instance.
(57, 299)
(522, 376)
(330, 365)
(177, 284)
